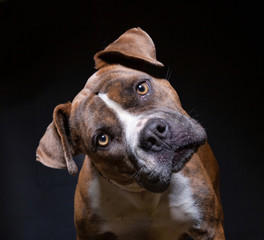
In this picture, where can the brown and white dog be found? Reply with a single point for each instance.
(148, 172)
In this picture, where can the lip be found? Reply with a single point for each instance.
(181, 149)
(183, 153)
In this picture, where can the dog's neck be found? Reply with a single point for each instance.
(138, 196)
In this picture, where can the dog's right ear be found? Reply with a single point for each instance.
(134, 49)
(55, 148)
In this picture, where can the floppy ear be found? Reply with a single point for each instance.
(134, 49)
(55, 149)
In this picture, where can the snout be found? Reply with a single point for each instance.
(164, 146)
(155, 155)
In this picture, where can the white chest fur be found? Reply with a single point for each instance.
(146, 215)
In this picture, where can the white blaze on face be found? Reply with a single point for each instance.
(129, 121)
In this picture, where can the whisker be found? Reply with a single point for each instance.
(137, 173)
(134, 174)
(192, 110)
(168, 74)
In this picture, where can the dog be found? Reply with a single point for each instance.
(149, 172)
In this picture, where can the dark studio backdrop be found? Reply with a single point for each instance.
(214, 54)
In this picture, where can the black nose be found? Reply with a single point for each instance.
(155, 135)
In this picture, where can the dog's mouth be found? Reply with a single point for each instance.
(157, 179)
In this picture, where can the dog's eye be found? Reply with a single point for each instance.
(103, 139)
(142, 88)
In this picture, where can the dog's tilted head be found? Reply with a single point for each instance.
(128, 122)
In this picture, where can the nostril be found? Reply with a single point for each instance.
(152, 140)
(161, 128)
(148, 142)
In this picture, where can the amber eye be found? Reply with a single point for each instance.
(142, 88)
(103, 139)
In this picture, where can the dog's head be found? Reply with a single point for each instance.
(128, 122)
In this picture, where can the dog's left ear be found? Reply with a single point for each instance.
(55, 149)
(134, 49)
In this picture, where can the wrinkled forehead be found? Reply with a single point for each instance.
(112, 80)
(113, 74)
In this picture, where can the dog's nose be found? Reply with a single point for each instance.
(155, 135)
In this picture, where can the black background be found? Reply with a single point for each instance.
(215, 57)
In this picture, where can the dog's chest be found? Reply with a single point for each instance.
(145, 215)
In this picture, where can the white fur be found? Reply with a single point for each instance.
(146, 215)
(180, 198)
